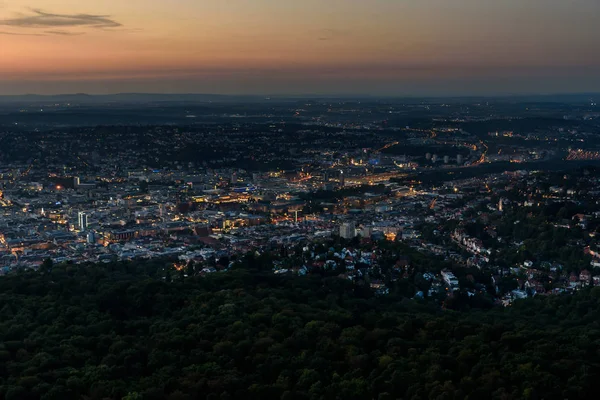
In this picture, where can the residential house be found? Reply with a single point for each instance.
(585, 277)
(574, 280)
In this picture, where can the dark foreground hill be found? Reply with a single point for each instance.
(121, 331)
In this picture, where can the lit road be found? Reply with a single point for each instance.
(387, 146)
(483, 155)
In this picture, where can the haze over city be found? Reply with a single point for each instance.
(379, 47)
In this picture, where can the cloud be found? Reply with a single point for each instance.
(20, 34)
(46, 33)
(42, 19)
(64, 33)
(328, 34)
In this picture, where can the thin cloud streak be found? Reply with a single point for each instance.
(381, 72)
(46, 33)
(329, 34)
(42, 19)
(64, 33)
(20, 34)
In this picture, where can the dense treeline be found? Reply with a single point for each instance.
(121, 331)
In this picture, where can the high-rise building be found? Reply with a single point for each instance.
(446, 159)
(366, 231)
(91, 237)
(459, 159)
(434, 158)
(348, 230)
(82, 220)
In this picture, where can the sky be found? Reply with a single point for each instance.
(375, 47)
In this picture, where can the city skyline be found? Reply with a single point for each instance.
(432, 47)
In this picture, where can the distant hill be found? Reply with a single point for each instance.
(141, 98)
(82, 98)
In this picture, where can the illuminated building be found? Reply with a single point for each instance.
(82, 220)
(348, 230)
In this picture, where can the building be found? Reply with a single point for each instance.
(450, 279)
(459, 159)
(348, 230)
(446, 159)
(366, 231)
(91, 237)
(585, 277)
(82, 221)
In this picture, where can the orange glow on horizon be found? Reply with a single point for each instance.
(242, 41)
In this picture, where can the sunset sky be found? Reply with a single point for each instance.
(387, 47)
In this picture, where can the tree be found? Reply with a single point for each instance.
(120, 331)
(47, 265)
(133, 396)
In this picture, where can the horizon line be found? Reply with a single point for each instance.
(305, 95)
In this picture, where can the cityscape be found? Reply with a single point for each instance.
(318, 185)
(315, 200)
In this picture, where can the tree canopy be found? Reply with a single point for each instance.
(121, 331)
